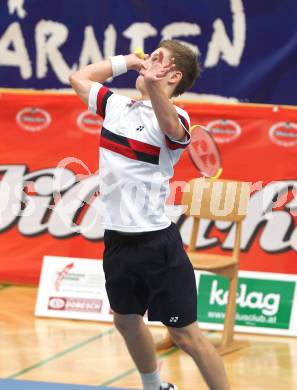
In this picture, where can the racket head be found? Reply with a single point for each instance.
(204, 152)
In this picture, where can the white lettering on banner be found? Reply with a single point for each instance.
(137, 32)
(17, 6)
(220, 45)
(269, 303)
(279, 231)
(278, 225)
(181, 29)
(294, 240)
(50, 36)
(90, 50)
(59, 200)
(66, 212)
(19, 56)
(110, 39)
(11, 192)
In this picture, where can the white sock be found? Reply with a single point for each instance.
(151, 381)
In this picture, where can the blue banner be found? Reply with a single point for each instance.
(248, 49)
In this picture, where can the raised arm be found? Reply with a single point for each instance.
(165, 111)
(82, 80)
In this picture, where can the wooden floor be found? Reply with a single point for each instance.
(91, 353)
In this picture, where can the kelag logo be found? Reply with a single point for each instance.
(260, 302)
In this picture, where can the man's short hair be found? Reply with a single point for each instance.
(185, 61)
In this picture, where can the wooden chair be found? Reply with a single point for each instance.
(219, 200)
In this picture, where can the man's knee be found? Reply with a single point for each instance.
(188, 338)
(128, 324)
(184, 342)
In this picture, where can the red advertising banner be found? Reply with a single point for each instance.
(49, 183)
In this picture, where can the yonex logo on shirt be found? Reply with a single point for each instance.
(140, 128)
(173, 319)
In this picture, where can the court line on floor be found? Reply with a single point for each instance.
(134, 369)
(62, 353)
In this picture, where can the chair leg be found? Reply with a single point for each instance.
(228, 333)
(228, 344)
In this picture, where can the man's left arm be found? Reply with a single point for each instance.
(166, 113)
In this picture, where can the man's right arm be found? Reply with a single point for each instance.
(82, 80)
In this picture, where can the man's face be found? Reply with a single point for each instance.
(140, 85)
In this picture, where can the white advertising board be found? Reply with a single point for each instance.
(74, 288)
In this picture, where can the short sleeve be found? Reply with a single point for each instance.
(185, 122)
(98, 98)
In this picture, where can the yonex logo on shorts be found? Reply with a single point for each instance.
(173, 319)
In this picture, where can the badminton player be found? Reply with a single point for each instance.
(145, 265)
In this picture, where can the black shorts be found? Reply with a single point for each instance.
(150, 271)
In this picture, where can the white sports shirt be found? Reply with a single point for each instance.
(136, 161)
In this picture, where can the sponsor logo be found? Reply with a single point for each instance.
(56, 303)
(132, 101)
(268, 304)
(33, 119)
(284, 134)
(89, 122)
(61, 275)
(85, 305)
(224, 130)
(260, 302)
(140, 128)
(173, 319)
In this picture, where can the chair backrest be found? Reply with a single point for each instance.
(215, 199)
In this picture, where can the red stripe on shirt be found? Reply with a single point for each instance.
(117, 148)
(144, 147)
(101, 94)
(174, 145)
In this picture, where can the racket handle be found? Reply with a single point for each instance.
(139, 52)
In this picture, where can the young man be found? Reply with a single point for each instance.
(145, 265)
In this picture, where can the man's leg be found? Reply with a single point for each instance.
(208, 360)
(141, 346)
(139, 341)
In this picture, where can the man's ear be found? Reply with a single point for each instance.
(175, 77)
